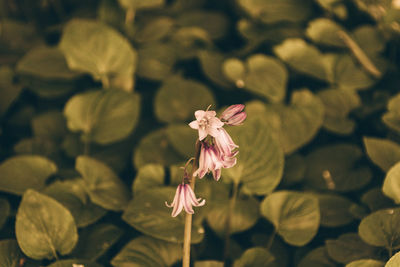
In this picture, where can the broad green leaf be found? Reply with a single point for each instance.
(10, 254)
(4, 211)
(154, 30)
(366, 263)
(376, 200)
(304, 58)
(244, 215)
(338, 104)
(297, 124)
(325, 31)
(23, 172)
(256, 256)
(94, 241)
(262, 75)
(93, 47)
(72, 194)
(178, 99)
(392, 117)
(260, 161)
(48, 88)
(369, 38)
(156, 148)
(46, 63)
(103, 116)
(391, 184)
(336, 167)
(189, 41)
(394, 260)
(208, 264)
(140, 4)
(9, 91)
(295, 215)
(335, 210)
(214, 23)
(317, 258)
(147, 177)
(149, 252)
(383, 152)
(50, 125)
(270, 11)
(148, 214)
(183, 139)
(381, 228)
(102, 184)
(211, 63)
(349, 247)
(75, 262)
(44, 227)
(37, 146)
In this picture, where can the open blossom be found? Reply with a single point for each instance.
(234, 115)
(184, 199)
(206, 123)
(209, 161)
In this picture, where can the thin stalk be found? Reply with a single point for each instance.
(271, 240)
(188, 219)
(232, 203)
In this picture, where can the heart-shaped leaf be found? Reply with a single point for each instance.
(383, 152)
(325, 31)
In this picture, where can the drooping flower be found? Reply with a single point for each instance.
(184, 199)
(206, 123)
(225, 143)
(209, 161)
(234, 115)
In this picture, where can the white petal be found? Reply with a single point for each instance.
(199, 114)
(194, 125)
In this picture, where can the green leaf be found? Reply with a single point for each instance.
(93, 47)
(256, 256)
(44, 227)
(270, 11)
(383, 152)
(317, 258)
(148, 214)
(211, 63)
(149, 252)
(337, 168)
(148, 176)
(69, 263)
(349, 247)
(72, 194)
(244, 215)
(208, 264)
(391, 184)
(295, 215)
(214, 23)
(297, 124)
(338, 104)
(140, 4)
(102, 184)
(10, 254)
(96, 240)
(156, 148)
(335, 210)
(103, 116)
(294, 170)
(260, 160)
(183, 139)
(366, 263)
(369, 38)
(178, 99)
(381, 228)
(392, 117)
(262, 75)
(4, 211)
(50, 125)
(325, 31)
(376, 200)
(19, 173)
(189, 41)
(46, 63)
(36, 146)
(304, 58)
(9, 91)
(154, 30)
(394, 260)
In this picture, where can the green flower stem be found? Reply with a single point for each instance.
(271, 239)
(188, 219)
(232, 203)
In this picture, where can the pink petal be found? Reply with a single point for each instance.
(199, 114)
(215, 122)
(194, 125)
(202, 134)
(237, 119)
(231, 111)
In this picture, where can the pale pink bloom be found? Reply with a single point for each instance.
(209, 161)
(206, 123)
(234, 115)
(225, 143)
(184, 199)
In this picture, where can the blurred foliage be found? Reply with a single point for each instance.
(95, 97)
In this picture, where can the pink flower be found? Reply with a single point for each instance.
(210, 161)
(184, 199)
(206, 123)
(225, 143)
(234, 115)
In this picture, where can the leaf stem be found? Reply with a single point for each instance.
(271, 240)
(188, 219)
(232, 203)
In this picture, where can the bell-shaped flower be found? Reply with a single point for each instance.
(206, 123)
(234, 115)
(225, 144)
(209, 161)
(184, 199)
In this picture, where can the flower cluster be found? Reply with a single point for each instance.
(217, 151)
